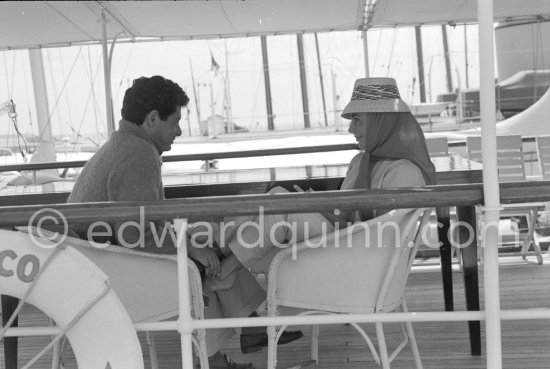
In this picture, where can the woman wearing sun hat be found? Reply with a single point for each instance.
(393, 154)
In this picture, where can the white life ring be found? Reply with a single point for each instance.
(104, 335)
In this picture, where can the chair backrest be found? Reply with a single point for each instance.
(437, 146)
(511, 167)
(543, 153)
(359, 269)
(146, 283)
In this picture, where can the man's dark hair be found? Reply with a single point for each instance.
(152, 93)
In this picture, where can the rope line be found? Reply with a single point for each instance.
(20, 137)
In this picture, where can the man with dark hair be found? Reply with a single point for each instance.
(128, 168)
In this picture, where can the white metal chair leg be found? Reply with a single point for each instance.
(315, 343)
(527, 241)
(201, 349)
(152, 350)
(538, 251)
(384, 360)
(271, 347)
(530, 238)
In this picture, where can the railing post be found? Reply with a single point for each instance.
(185, 320)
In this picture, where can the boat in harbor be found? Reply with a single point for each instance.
(443, 338)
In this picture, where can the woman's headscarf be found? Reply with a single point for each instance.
(394, 136)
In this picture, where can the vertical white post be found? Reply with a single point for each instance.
(490, 183)
(185, 320)
(107, 77)
(366, 54)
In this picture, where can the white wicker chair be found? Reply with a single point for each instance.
(364, 278)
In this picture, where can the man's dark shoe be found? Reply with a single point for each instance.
(229, 364)
(253, 342)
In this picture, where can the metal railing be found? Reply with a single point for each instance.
(183, 209)
(193, 157)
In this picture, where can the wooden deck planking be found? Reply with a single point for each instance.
(442, 344)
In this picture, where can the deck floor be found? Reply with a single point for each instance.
(442, 344)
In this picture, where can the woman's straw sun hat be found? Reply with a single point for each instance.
(375, 95)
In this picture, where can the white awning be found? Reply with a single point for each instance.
(33, 24)
(391, 13)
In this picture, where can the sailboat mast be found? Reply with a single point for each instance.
(447, 58)
(321, 79)
(45, 147)
(269, 107)
(420, 63)
(335, 110)
(107, 77)
(227, 93)
(197, 100)
(466, 56)
(303, 79)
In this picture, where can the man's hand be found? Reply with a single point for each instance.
(207, 257)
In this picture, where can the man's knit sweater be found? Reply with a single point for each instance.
(126, 168)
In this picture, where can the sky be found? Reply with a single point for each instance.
(74, 76)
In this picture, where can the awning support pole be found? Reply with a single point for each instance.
(366, 53)
(490, 184)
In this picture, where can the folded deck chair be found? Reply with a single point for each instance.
(511, 168)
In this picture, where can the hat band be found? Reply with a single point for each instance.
(375, 92)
